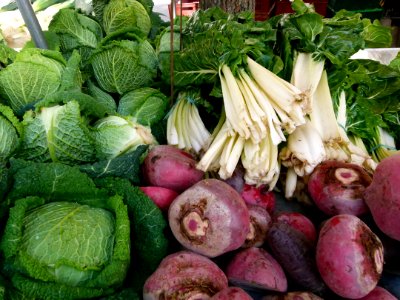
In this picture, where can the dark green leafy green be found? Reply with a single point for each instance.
(103, 98)
(7, 55)
(372, 90)
(149, 241)
(125, 166)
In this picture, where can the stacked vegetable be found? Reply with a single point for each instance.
(110, 189)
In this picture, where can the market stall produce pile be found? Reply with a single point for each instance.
(217, 158)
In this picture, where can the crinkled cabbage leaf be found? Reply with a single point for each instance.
(122, 66)
(123, 14)
(57, 133)
(146, 105)
(34, 74)
(64, 243)
(115, 136)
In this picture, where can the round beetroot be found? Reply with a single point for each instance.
(231, 293)
(379, 293)
(260, 221)
(209, 218)
(299, 222)
(383, 196)
(337, 188)
(256, 268)
(349, 256)
(169, 167)
(185, 275)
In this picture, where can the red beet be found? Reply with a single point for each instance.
(209, 218)
(162, 197)
(299, 222)
(256, 268)
(259, 225)
(349, 256)
(259, 196)
(337, 188)
(231, 293)
(379, 293)
(296, 254)
(185, 275)
(383, 196)
(169, 167)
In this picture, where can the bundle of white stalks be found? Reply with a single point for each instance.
(185, 128)
(260, 108)
(323, 136)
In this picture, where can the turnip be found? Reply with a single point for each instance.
(299, 222)
(169, 167)
(185, 275)
(296, 254)
(337, 188)
(383, 196)
(209, 218)
(260, 220)
(231, 293)
(379, 293)
(161, 196)
(349, 256)
(256, 268)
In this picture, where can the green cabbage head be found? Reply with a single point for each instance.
(125, 14)
(58, 133)
(116, 135)
(34, 74)
(120, 66)
(67, 249)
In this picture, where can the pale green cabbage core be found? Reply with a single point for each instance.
(68, 242)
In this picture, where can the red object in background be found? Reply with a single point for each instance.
(268, 8)
(264, 9)
(284, 6)
(184, 7)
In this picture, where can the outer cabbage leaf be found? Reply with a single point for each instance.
(52, 181)
(124, 166)
(115, 136)
(10, 130)
(149, 240)
(88, 105)
(146, 105)
(123, 14)
(102, 97)
(34, 74)
(7, 55)
(122, 66)
(57, 133)
(76, 31)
